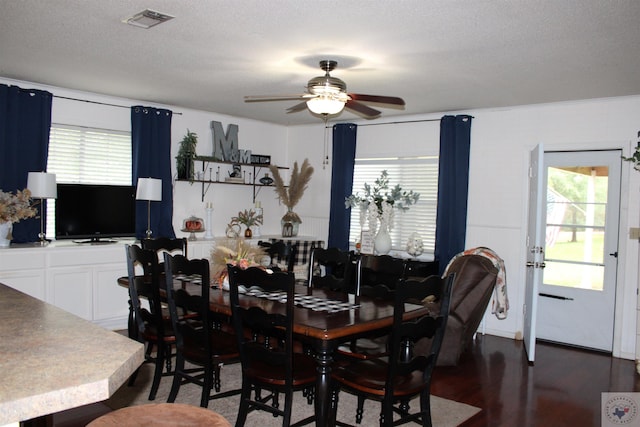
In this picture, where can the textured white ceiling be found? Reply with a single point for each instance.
(439, 55)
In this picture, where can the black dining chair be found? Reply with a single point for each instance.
(395, 379)
(149, 326)
(265, 340)
(374, 270)
(332, 269)
(198, 342)
(376, 275)
(280, 253)
(173, 246)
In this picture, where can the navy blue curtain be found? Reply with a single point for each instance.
(453, 187)
(151, 151)
(25, 121)
(343, 160)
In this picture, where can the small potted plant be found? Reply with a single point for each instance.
(248, 218)
(186, 154)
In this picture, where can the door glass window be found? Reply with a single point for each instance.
(576, 206)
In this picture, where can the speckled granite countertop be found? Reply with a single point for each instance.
(51, 360)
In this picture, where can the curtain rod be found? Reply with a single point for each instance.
(390, 123)
(99, 103)
(394, 123)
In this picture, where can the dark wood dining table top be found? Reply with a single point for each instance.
(366, 316)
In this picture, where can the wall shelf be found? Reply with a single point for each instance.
(251, 182)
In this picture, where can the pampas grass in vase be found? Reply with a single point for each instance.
(291, 195)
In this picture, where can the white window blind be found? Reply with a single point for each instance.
(87, 156)
(419, 174)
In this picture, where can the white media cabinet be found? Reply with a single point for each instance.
(80, 278)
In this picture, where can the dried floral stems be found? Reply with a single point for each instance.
(297, 184)
(14, 208)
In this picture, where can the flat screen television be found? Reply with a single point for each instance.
(91, 213)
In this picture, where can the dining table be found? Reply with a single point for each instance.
(323, 320)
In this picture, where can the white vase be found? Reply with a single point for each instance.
(5, 233)
(382, 242)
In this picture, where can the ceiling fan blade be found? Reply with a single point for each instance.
(261, 98)
(368, 112)
(298, 107)
(393, 100)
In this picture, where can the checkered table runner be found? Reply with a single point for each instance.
(195, 279)
(305, 301)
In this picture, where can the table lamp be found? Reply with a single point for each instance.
(149, 189)
(42, 186)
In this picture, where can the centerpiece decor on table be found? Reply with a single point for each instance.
(377, 206)
(236, 252)
(248, 218)
(291, 195)
(14, 208)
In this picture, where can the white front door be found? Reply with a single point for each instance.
(534, 250)
(576, 301)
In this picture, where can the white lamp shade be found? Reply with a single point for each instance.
(42, 185)
(149, 189)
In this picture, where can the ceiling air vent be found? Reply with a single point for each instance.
(147, 18)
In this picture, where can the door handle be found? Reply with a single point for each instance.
(556, 297)
(536, 264)
(615, 254)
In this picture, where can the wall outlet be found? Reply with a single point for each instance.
(634, 233)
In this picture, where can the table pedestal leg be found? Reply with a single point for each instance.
(323, 387)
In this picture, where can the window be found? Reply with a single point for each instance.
(87, 156)
(419, 174)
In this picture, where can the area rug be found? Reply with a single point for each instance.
(445, 413)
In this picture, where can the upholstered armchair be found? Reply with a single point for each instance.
(474, 282)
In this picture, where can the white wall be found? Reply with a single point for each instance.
(501, 140)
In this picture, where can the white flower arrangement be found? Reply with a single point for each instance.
(379, 201)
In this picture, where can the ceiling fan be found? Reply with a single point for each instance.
(327, 95)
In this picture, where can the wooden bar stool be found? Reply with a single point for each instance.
(161, 414)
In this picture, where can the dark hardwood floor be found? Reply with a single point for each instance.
(562, 388)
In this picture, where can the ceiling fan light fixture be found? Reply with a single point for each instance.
(325, 105)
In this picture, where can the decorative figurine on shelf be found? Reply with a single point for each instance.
(236, 174)
(233, 230)
(248, 218)
(266, 180)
